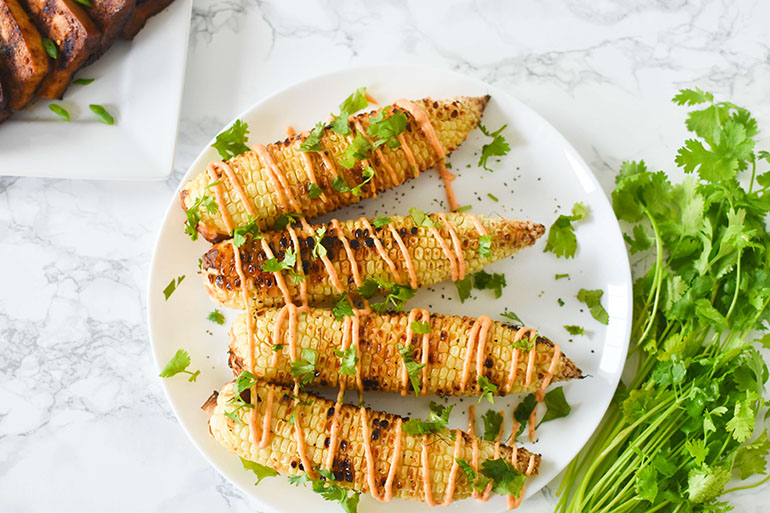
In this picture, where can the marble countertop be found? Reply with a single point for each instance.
(84, 424)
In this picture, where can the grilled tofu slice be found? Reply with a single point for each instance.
(145, 9)
(251, 187)
(375, 453)
(433, 251)
(453, 352)
(76, 37)
(111, 16)
(23, 61)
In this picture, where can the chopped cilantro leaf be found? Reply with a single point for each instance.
(573, 329)
(512, 316)
(523, 410)
(488, 389)
(342, 308)
(232, 141)
(556, 405)
(319, 250)
(493, 423)
(314, 191)
(420, 218)
(507, 480)
(250, 228)
(179, 363)
(412, 368)
(464, 287)
(260, 471)
(387, 129)
(497, 148)
(217, 317)
(483, 280)
(285, 220)
(303, 370)
(592, 299)
(348, 360)
(172, 285)
(478, 482)
(358, 149)
(339, 184)
(485, 246)
(313, 140)
(562, 241)
(420, 327)
(436, 421)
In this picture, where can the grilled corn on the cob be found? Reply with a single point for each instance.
(450, 346)
(432, 263)
(452, 119)
(350, 461)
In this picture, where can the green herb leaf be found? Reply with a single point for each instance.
(482, 280)
(497, 148)
(303, 370)
(493, 422)
(512, 316)
(340, 186)
(387, 128)
(217, 317)
(314, 191)
(83, 81)
(560, 276)
(50, 48)
(556, 405)
(260, 471)
(319, 250)
(420, 218)
(488, 389)
(524, 410)
(285, 220)
(102, 114)
(348, 360)
(413, 368)
(232, 141)
(752, 458)
(573, 329)
(193, 214)
(592, 299)
(178, 364)
(59, 111)
(342, 308)
(358, 149)
(353, 103)
(172, 285)
(251, 229)
(478, 482)
(436, 421)
(485, 246)
(420, 327)
(381, 221)
(464, 208)
(313, 140)
(492, 197)
(507, 479)
(562, 241)
(464, 287)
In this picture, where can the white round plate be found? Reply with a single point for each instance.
(541, 177)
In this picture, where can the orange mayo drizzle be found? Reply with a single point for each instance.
(378, 154)
(349, 252)
(450, 487)
(355, 326)
(426, 483)
(513, 502)
(364, 163)
(474, 443)
(551, 368)
(298, 267)
(220, 197)
(531, 364)
(236, 183)
(371, 99)
(520, 333)
(407, 257)
(453, 265)
(477, 224)
(278, 276)
(335, 279)
(479, 329)
(456, 244)
(409, 155)
(335, 418)
(381, 251)
(370, 476)
(307, 162)
(280, 184)
(394, 461)
(425, 125)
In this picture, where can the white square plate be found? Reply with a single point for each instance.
(139, 82)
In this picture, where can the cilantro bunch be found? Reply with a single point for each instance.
(682, 428)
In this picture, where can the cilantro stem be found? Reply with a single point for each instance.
(753, 172)
(748, 487)
(656, 285)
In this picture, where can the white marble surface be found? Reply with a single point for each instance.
(83, 423)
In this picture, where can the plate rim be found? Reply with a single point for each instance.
(626, 266)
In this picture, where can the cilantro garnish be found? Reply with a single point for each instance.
(592, 299)
(342, 308)
(562, 241)
(492, 197)
(339, 184)
(303, 370)
(59, 111)
(284, 220)
(497, 148)
(193, 213)
(319, 250)
(574, 329)
(313, 140)
(348, 360)
(389, 128)
(245, 380)
(413, 368)
(493, 421)
(420, 218)
(396, 295)
(178, 364)
(216, 316)
(556, 405)
(464, 208)
(488, 389)
(464, 287)
(524, 410)
(485, 246)
(481, 280)
(273, 265)
(232, 141)
(506, 479)
(314, 191)
(102, 113)
(240, 233)
(478, 482)
(353, 103)
(50, 48)
(358, 149)
(436, 421)
(560, 276)
(420, 327)
(172, 285)
(261, 471)
(512, 316)
(83, 81)
(329, 490)
(381, 221)
(752, 458)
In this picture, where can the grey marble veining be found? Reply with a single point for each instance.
(84, 424)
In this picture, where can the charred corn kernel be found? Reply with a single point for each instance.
(452, 119)
(431, 266)
(380, 362)
(349, 463)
